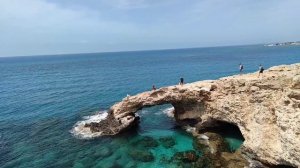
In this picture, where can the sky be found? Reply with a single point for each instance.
(43, 27)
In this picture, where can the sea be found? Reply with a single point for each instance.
(43, 97)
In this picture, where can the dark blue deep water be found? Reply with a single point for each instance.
(41, 98)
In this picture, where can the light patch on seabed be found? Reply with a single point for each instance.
(80, 131)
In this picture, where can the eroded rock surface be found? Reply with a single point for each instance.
(266, 110)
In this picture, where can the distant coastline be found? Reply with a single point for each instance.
(290, 43)
(297, 43)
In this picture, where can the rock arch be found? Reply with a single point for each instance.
(184, 100)
(266, 110)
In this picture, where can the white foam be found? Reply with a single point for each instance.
(79, 130)
(158, 113)
(169, 111)
(190, 129)
(96, 118)
(144, 111)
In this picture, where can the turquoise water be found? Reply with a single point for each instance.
(234, 143)
(41, 98)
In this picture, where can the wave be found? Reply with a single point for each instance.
(96, 118)
(80, 131)
(144, 111)
(169, 111)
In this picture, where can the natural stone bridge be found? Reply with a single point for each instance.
(266, 110)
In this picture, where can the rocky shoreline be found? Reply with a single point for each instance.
(266, 110)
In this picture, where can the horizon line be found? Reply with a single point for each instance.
(138, 50)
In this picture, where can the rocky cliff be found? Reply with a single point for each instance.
(265, 109)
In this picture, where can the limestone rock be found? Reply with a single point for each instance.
(266, 110)
(229, 160)
(204, 137)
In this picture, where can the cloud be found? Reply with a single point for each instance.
(36, 26)
(61, 26)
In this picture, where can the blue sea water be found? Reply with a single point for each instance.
(41, 98)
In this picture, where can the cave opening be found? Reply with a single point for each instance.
(230, 132)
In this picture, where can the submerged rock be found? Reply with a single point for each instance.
(164, 159)
(167, 142)
(141, 155)
(108, 165)
(205, 162)
(147, 142)
(131, 165)
(186, 156)
(104, 152)
(78, 165)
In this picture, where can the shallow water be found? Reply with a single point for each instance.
(41, 98)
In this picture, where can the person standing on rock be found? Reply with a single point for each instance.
(261, 70)
(241, 68)
(181, 81)
(153, 87)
